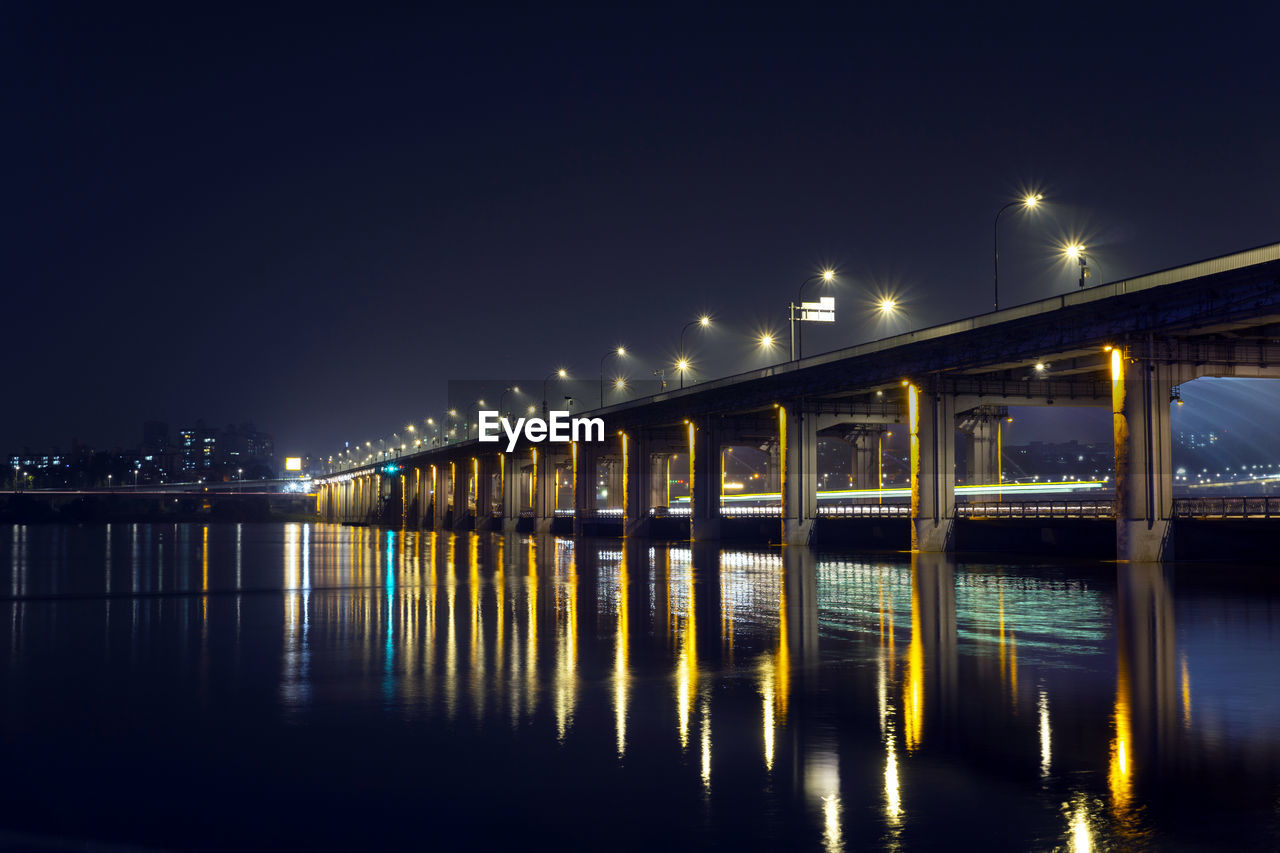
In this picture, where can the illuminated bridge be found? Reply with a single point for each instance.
(1126, 345)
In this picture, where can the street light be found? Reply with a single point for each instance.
(618, 353)
(827, 276)
(514, 389)
(561, 374)
(1028, 202)
(1075, 252)
(682, 365)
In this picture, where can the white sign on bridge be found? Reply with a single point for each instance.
(822, 311)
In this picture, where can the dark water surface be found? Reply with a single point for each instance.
(288, 686)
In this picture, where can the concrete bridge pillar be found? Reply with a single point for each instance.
(461, 473)
(659, 478)
(613, 482)
(586, 460)
(483, 469)
(933, 471)
(982, 428)
(865, 445)
(1140, 391)
(512, 467)
(637, 466)
(424, 495)
(705, 481)
(798, 473)
(439, 495)
(544, 495)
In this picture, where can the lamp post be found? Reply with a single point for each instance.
(682, 366)
(1075, 252)
(514, 389)
(1028, 202)
(827, 276)
(560, 373)
(618, 353)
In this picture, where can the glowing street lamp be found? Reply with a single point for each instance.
(560, 374)
(613, 353)
(514, 389)
(1027, 202)
(682, 366)
(826, 276)
(1075, 252)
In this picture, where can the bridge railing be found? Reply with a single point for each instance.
(1227, 507)
(864, 510)
(1038, 509)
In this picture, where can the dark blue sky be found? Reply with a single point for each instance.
(315, 220)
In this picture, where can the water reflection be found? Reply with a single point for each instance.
(855, 702)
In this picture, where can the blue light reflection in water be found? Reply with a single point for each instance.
(635, 694)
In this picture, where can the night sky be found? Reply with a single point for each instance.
(313, 221)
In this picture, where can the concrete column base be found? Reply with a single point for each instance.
(934, 537)
(484, 522)
(509, 524)
(704, 529)
(1137, 543)
(797, 531)
(542, 525)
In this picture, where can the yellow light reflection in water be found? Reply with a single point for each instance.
(832, 837)
(687, 659)
(767, 685)
(204, 582)
(429, 658)
(1043, 706)
(775, 678)
(531, 640)
(913, 687)
(567, 639)
(451, 629)
(293, 686)
(621, 653)
(1186, 693)
(477, 625)
(706, 742)
(500, 602)
(892, 789)
(1120, 767)
(1079, 825)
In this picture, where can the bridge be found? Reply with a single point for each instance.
(1123, 346)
